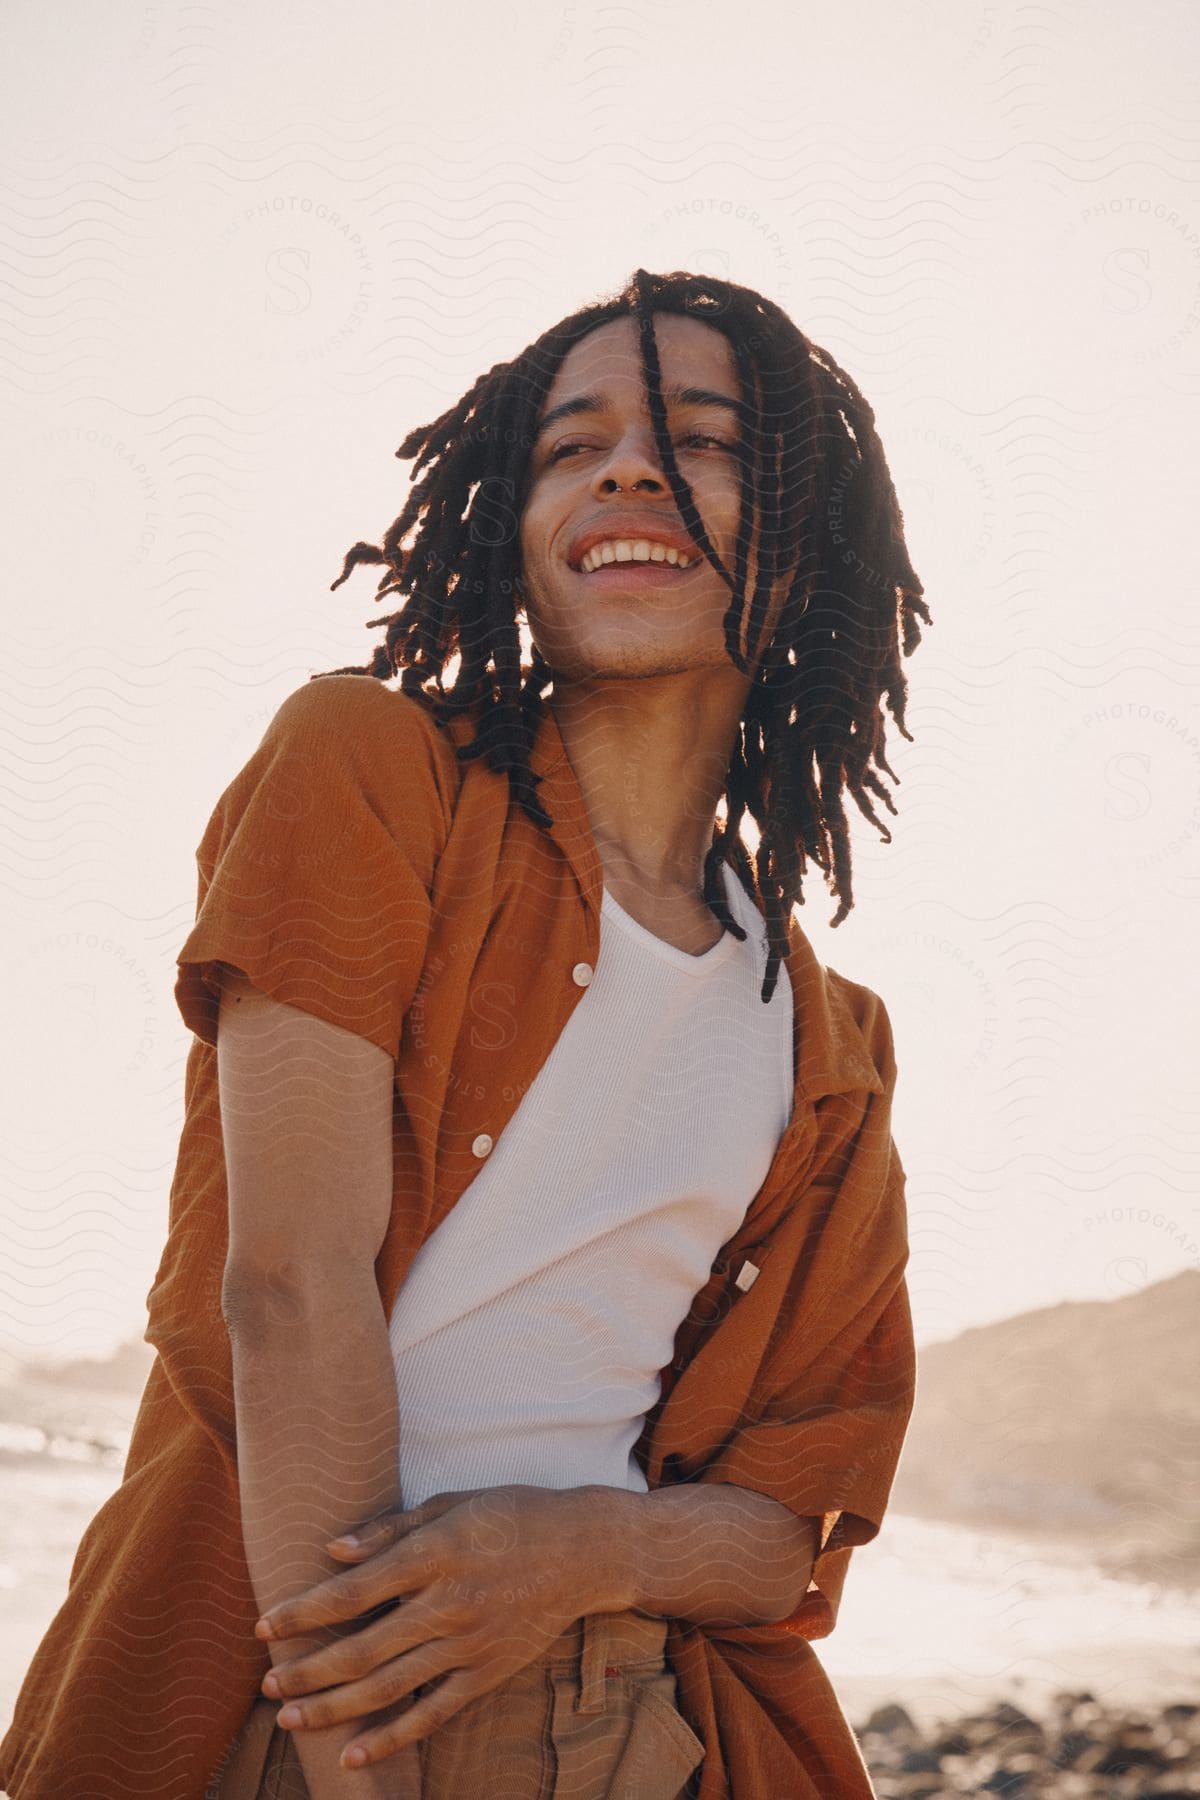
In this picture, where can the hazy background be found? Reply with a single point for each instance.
(247, 249)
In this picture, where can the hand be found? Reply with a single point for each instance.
(487, 1578)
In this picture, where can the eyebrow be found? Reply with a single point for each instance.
(677, 396)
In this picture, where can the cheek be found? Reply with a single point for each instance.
(728, 505)
(537, 590)
(533, 537)
(536, 537)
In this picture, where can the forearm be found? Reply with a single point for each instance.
(708, 1553)
(318, 1452)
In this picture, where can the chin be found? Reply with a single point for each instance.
(636, 663)
(633, 646)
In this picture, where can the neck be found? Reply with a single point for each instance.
(651, 758)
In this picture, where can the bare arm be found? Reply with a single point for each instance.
(306, 1117)
(708, 1552)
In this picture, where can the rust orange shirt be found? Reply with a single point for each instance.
(357, 869)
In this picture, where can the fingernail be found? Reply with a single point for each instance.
(271, 1685)
(355, 1757)
(289, 1715)
(348, 1537)
(264, 1629)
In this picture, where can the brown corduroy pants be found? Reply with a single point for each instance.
(593, 1718)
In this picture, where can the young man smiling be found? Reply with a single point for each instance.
(646, 698)
(517, 1188)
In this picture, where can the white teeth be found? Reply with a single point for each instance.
(624, 550)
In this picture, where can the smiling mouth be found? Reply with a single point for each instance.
(624, 551)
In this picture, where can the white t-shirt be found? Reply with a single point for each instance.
(530, 1331)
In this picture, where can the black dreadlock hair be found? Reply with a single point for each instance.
(815, 482)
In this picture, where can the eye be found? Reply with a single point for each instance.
(708, 437)
(688, 438)
(561, 450)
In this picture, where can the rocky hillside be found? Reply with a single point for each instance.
(1079, 1421)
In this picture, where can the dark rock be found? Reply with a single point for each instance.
(1005, 1713)
(1013, 1783)
(1071, 1746)
(1008, 1729)
(890, 1718)
(1080, 1749)
(920, 1762)
(1118, 1759)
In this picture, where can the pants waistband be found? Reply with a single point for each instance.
(604, 1644)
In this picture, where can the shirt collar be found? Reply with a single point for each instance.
(831, 1054)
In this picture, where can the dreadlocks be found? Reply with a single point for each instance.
(816, 489)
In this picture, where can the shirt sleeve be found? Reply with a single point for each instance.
(830, 1406)
(316, 869)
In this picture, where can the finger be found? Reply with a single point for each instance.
(342, 1597)
(392, 1684)
(421, 1718)
(346, 1659)
(376, 1534)
(387, 1528)
(343, 1547)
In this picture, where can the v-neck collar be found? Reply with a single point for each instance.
(830, 1053)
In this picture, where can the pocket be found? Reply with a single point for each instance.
(638, 1748)
(666, 1734)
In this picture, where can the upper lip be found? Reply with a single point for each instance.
(631, 526)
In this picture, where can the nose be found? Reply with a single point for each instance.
(631, 466)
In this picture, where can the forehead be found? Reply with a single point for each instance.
(608, 360)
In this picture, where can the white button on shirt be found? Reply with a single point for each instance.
(482, 1144)
(581, 974)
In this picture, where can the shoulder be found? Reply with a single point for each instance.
(376, 731)
(845, 1033)
(867, 1017)
(348, 710)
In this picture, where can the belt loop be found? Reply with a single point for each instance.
(593, 1657)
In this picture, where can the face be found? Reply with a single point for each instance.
(598, 490)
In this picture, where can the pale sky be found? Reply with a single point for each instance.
(247, 251)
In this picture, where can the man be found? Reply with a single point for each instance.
(497, 1130)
